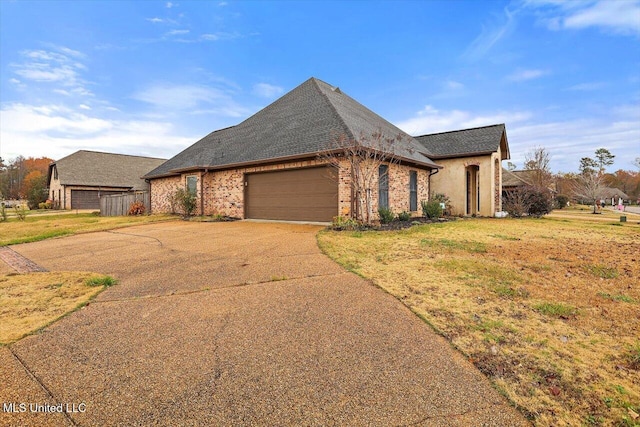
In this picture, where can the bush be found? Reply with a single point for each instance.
(21, 212)
(3, 212)
(386, 215)
(44, 205)
(531, 201)
(431, 209)
(404, 216)
(345, 223)
(186, 201)
(561, 201)
(137, 208)
(443, 198)
(540, 201)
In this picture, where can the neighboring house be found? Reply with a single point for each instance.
(515, 179)
(612, 196)
(78, 180)
(472, 168)
(268, 166)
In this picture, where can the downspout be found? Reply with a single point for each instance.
(148, 181)
(429, 179)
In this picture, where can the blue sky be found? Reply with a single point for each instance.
(153, 77)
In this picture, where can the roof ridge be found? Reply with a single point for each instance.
(333, 107)
(460, 130)
(111, 154)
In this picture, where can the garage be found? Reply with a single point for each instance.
(293, 195)
(88, 199)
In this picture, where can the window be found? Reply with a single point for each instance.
(413, 191)
(192, 184)
(383, 186)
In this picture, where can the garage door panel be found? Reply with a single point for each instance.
(297, 195)
(88, 199)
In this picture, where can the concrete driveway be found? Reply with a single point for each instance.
(236, 324)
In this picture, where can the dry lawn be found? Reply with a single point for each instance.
(40, 227)
(548, 309)
(29, 302)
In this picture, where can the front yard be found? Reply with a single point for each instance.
(548, 309)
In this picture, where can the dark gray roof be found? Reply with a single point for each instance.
(97, 169)
(303, 122)
(466, 142)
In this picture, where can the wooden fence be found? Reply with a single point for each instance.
(119, 204)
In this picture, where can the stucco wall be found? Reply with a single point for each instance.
(223, 191)
(451, 180)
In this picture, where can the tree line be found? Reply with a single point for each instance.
(24, 178)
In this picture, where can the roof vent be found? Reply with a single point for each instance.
(337, 90)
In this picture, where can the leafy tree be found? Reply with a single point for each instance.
(35, 185)
(603, 159)
(587, 165)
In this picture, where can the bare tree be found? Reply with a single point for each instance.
(589, 186)
(537, 161)
(636, 162)
(363, 157)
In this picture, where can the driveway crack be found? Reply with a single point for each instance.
(48, 392)
(136, 235)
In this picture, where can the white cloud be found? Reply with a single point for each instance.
(169, 5)
(177, 32)
(56, 131)
(155, 20)
(266, 90)
(84, 107)
(49, 67)
(587, 86)
(523, 75)
(614, 16)
(453, 85)
(178, 97)
(431, 120)
(491, 34)
(222, 3)
(14, 81)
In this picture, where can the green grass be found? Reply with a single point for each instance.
(105, 281)
(602, 271)
(617, 297)
(556, 309)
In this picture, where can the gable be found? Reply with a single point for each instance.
(97, 169)
(467, 142)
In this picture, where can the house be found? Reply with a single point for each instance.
(612, 196)
(515, 179)
(270, 165)
(472, 170)
(78, 180)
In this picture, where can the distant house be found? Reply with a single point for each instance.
(612, 196)
(268, 166)
(515, 179)
(78, 180)
(472, 169)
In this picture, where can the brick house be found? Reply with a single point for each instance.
(472, 167)
(270, 165)
(78, 180)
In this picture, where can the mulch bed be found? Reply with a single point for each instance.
(393, 225)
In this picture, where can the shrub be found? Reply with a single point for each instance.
(21, 212)
(443, 198)
(105, 281)
(3, 212)
(137, 208)
(540, 201)
(431, 209)
(528, 200)
(404, 216)
(345, 223)
(44, 205)
(386, 215)
(561, 201)
(186, 201)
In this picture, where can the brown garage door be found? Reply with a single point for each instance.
(88, 199)
(293, 195)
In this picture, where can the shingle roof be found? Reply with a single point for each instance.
(465, 142)
(516, 178)
(301, 123)
(97, 169)
(609, 192)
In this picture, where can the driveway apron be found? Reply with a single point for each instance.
(235, 324)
